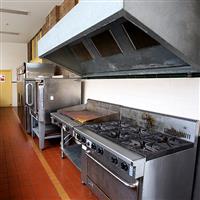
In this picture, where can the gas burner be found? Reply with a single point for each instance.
(175, 141)
(161, 138)
(136, 138)
(124, 138)
(113, 134)
(143, 132)
(124, 125)
(154, 147)
(111, 123)
(133, 144)
(134, 130)
(109, 134)
(93, 127)
(106, 128)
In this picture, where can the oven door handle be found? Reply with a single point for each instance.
(27, 94)
(53, 121)
(134, 185)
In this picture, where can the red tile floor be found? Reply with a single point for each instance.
(22, 175)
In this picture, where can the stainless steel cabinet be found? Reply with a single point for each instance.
(25, 88)
(196, 192)
(51, 94)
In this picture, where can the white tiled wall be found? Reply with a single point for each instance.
(179, 97)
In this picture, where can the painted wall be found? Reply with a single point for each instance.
(12, 55)
(179, 97)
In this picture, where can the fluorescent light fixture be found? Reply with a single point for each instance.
(8, 33)
(17, 12)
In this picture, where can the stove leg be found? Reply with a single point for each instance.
(83, 167)
(62, 154)
(83, 182)
(32, 133)
(32, 126)
(41, 135)
(62, 143)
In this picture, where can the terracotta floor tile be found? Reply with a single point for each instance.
(22, 176)
(15, 193)
(3, 181)
(4, 188)
(28, 193)
(4, 195)
(3, 171)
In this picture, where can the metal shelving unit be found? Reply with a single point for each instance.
(71, 151)
(49, 129)
(43, 131)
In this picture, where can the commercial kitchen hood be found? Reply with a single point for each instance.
(109, 38)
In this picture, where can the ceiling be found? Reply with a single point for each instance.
(26, 25)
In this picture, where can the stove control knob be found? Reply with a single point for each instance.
(83, 139)
(78, 136)
(124, 166)
(94, 146)
(114, 160)
(88, 144)
(67, 129)
(100, 150)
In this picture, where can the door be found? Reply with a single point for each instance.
(20, 103)
(196, 191)
(103, 183)
(5, 88)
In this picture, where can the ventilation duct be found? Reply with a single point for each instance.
(126, 38)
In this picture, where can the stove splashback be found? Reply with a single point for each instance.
(126, 38)
(187, 129)
(183, 128)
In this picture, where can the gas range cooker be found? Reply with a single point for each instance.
(124, 157)
(124, 147)
(142, 140)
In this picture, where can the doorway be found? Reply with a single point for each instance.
(5, 88)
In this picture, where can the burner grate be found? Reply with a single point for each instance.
(141, 140)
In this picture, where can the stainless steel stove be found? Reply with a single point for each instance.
(142, 155)
(142, 140)
(137, 155)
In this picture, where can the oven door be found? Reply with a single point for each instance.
(196, 191)
(107, 185)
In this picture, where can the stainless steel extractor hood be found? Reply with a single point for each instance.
(127, 38)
